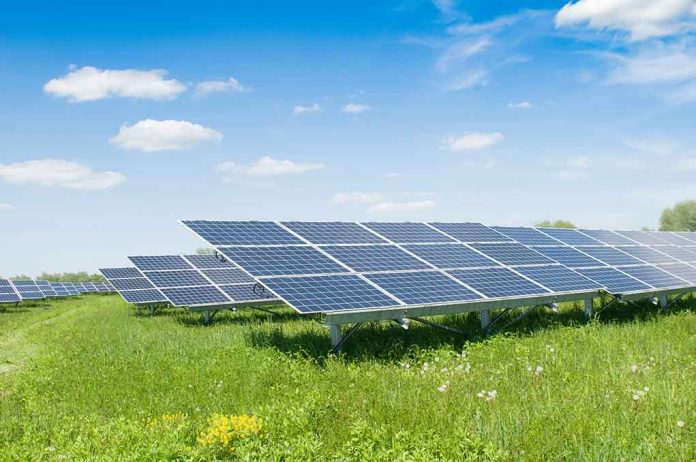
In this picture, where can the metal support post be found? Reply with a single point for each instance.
(485, 320)
(664, 302)
(439, 326)
(336, 336)
(589, 307)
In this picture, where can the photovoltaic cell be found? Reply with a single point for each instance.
(569, 236)
(179, 278)
(247, 292)
(611, 256)
(320, 294)
(512, 254)
(242, 232)
(498, 282)
(28, 290)
(195, 296)
(423, 287)
(681, 270)
(450, 256)
(132, 284)
(46, 289)
(471, 232)
(207, 262)
(408, 233)
(334, 233)
(569, 256)
(160, 263)
(228, 276)
(7, 292)
(120, 273)
(275, 261)
(375, 258)
(690, 236)
(679, 253)
(654, 276)
(143, 296)
(607, 237)
(559, 278)
(642, 237)
(671, 238)
(613, 280)
(647, 254)
(526, 236)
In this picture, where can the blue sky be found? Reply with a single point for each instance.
(117, 120)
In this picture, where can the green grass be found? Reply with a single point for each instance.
(88, 379)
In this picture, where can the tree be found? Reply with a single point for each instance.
(681, 217)
(82, 276)
(555, 224)
(205, 251)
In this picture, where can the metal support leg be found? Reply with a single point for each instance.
(208, 316)
(664, 302)
(589, 308)
(485, 320)
(336, 336)
(439, 326)
(676, 299)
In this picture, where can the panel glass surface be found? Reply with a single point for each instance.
(569, 236)
(119, 273)
(375, 258)
(611, 256)
(681, 270)
(642, 237)
(647, 254)
(176, 278)
(569, 256)
(274, 261)
(9, 298)
(498, 282)
(526, 236)
(423, 287)
(654, 276)
(613, 280)
(207, 261)
(679, 253)
(671, 238)
(195, 296)
(450, 256)
(333, 232)
(559, 278)
(247, 292)
(607, 237)
(512, 254)
(242, 232)
(228, 276)
(143, 296)
(471, 232)
(160, 262)
(408, 233)
(690, 236)
(132, 284)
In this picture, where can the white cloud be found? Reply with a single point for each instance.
(659, 65)
(60, 173)
(400, 207)
(657, 146)
(460, 51)
(392, 175)
(355, 197)
(160, 135)
(471, 141)
(302, 110)
(445, 6)
(355, 108)
(521, 105)
(471, 79)
(6, 207)
(267, 166)
(642, 19)
(230, 85)
(494, 25)
(90, 84)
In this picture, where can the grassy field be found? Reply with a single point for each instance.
(89, 379)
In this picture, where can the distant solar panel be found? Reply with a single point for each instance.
(642, 237)
(28, 290)
(678, 253)
(8, 294)
(689, 236)
(227, 276)
(242, 232)
(569, 256)
(607, 237)
(613, 280)
(654, 276)
(274, 261)
(46, 288)
(176, 278)
(143, 296)
(321, 294)
(569, 236)
(333, 232)
(559, 278)
(59, 289)
(647, 254)
(671, 238)
(208, 261)
(611, 256)
(498, 282)
(423, 287)
(526, 236)
(72, 289)
(160, 263)
(681, 270)
(195, 296)
(370, 258)
(408, 233)
(512, 254)
(471, 232)
(120, 273)
(450, 256)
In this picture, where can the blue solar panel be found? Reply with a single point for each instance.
(450, 256)
(143, 296)
(607, 237)
(334, 233)
(423, 287)
(498, 282)
(247, 292)
(569, 236)
(512, 254)
(180, 278)
(161, 262)
(375, 258)
(408, 233)
(559, 278)
(46, 289)
(569, 256)
(689, 236)
(228, 276)
(654, 276)
(611, 256)
(471, 232)
(60, 289)
(275, 261)
(72, 289)
(671, 238)
(242, 232)
(207, 261)
(526, 236)
(679, 253)
(195, 296)
(647, 254)
(320, 294)
(132, 284)
(642, 237)
(28, 290)
(681, 270)
(7, 292)
(120, 273)
(613, 280)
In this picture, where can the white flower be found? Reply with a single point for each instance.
(636, 397)
(443, 388)
(681, 423)
(487, 395)
(647, 389)
(538, 371)
(634, 368)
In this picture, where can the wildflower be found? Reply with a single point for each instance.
(634, 368)
(443, 388)
(224, 431)
(681, 423)
(538, 371)
(638, 394)
(487, 395)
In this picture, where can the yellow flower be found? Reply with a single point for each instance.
(224, 431)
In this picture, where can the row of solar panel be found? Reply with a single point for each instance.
(188, 280)
(16, 291)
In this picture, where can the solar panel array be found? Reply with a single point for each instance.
(13, 291)
(8, 293)
(347, 266)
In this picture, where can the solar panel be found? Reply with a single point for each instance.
(247, 292)
(569, 257)
(689, 236)
(28, 290)
(681, 270)
(207, 262)
(408, 233)
(120, 273)
(59, 289)
(569, 236)
(371, 258)
(450, 256)
(607, 237)
(72, 289)
(679, 253)
(671, 238)
(611, 256)
(647, 254)
(333, 232)
(423, 287)
(471, 232)
(45, 288)
(654, 276)
(498, 282)
(195, 296)
(512, 254)
(321, 294)
(559, 278)
(642, 237)
(8, 294)
(176, 278)
(138, 283)
(526, 236)
(613, 280)
(160, 263)
(274, 261)
(227, 276)
(242, 233)
(143, 296)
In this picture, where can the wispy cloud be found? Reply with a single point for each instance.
(59, 173)
(6, 207)
(163, 135)
(402, 207)
(303, 110)
(356, 108)
(459, 51)
(91, 84)
(355, 197)
(471, 141)
(520, 105)
(468, 80)
(266, 166)
(230, 85)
